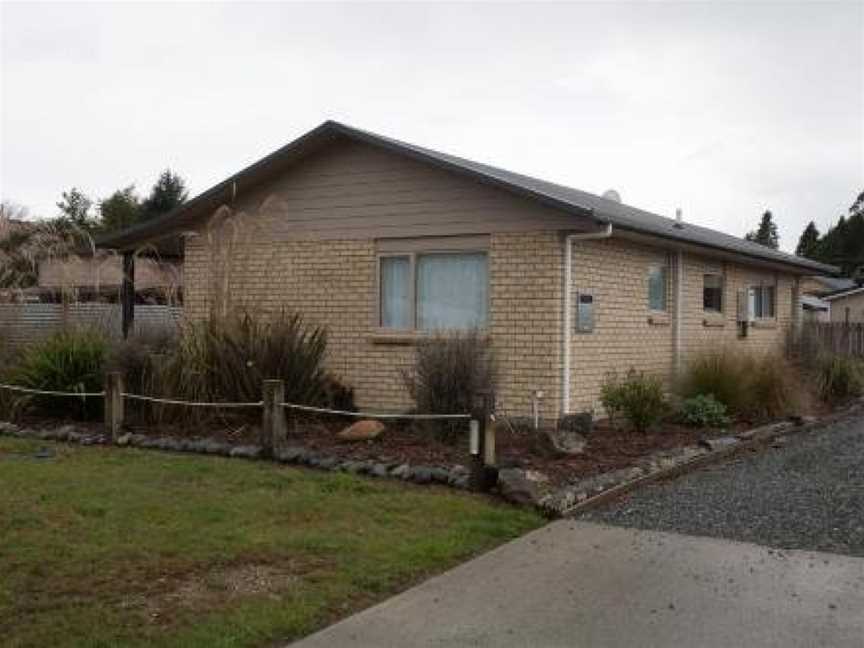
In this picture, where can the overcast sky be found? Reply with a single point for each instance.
(722, 109)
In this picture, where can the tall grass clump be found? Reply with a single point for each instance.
(753, 385)
(226, 359)
(451, 370)
(839, 378)
(68, 361)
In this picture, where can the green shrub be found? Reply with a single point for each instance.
(703, 411)
(774, 387)
(639, 397)
(450, 372)
(611, 398)
(70, 361)
(839, 378)
(722, 374)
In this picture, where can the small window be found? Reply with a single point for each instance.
(657, 288)
(433, 291)
(712, 293)
(763, 302)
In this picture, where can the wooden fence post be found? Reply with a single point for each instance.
(273, 428)
(115, 385)
(483, 472)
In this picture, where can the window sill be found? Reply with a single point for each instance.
(714, 322)
(764, 324)
(658, 319)
(406, 338)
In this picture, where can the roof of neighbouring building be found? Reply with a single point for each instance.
(602, 210)
(848, 292)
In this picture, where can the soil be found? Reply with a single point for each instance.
(608, 448)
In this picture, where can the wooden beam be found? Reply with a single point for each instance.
(127, 293)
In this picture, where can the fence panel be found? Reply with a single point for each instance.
(22, 324)
(839, 337)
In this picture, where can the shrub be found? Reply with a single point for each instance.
(450, 372)
(639, 397)
(227, 359)
(839, 377)
(70, 361)
(703, 411)
(721, 374)
(774, 387)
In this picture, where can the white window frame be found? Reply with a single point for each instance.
(762, 289)
(412, 250)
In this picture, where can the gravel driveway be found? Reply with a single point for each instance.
(807, 494)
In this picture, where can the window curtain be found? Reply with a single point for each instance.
(452, 291)
(395, 292)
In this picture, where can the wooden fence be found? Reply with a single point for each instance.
(839, 337)
(25, 323)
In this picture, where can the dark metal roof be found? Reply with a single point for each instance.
(844, 293)
(835, 284)
(603, 211)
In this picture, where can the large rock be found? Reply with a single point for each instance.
(559, 443)
(364, 430)
(523, 486)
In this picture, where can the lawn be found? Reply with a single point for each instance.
(107, 547)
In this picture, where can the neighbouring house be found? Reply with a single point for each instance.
(99, 277)
(847, 305)
(383, 242)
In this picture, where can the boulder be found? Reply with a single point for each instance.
(558, 443)
(364, 430)
(246, 452)
(401, 471)
(523, 486)
(719, 443)
(123, 439)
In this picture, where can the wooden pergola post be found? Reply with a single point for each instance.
(127, 293)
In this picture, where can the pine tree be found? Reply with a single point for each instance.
(168, 192)
(75, 210)
(766, 233)
(808, 244)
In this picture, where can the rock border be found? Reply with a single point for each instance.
(455, 476)
(602, 488)
(516, 485)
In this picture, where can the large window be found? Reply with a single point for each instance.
(712, 293)
(657, 278)
(433, 291)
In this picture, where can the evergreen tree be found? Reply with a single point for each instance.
(766, 233)
(75, 210)
(168, 192)
(120, 210)
(808, 244)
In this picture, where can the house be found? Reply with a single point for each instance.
(98, 278)
(383, 241)
(847, 305)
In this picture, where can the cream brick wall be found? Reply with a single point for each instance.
(628, 335)
(855, 304)
(333, 284)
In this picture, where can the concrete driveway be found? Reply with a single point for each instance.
(576, 583)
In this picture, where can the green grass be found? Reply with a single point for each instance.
(107, 547)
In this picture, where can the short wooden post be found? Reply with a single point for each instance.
(482, 476)
(273, 427)
(115, 385)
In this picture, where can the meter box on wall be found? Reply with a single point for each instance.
(584, 312)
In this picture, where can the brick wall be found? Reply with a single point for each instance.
(628, 335)
(333, 283)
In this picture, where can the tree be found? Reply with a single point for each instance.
(808, 244)
(168, 192)
(75, 210)
(120, 210)
(766, 233)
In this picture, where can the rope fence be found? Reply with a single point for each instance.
(376, 415)
(45, 392)
(171, 401)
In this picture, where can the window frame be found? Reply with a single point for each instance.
(722, 288)
(664, 269)
(759, 292)
(414, 249)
